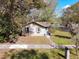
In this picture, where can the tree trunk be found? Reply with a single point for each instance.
(76, 48)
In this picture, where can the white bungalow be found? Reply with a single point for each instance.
(36, 29)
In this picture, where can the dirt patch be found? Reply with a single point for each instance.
(3, 52)
(33, 40)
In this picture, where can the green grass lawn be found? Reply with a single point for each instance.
(62, 33)
(62, 38)
(62, 41)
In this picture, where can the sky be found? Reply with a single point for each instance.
(64, 3)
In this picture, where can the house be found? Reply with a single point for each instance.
(36, 29)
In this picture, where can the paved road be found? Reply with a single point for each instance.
(22, 46)
(32, 46)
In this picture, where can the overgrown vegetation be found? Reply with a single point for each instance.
(39, 54)
(70, 20)
(14, 14)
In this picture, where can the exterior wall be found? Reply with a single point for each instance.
(36, 30)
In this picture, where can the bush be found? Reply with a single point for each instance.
(2, 39)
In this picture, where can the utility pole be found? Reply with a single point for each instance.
(67, 53)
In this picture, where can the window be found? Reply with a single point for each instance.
(38, 30)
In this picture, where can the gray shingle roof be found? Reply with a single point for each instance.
(43, 24)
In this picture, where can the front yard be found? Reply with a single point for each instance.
(33, 40)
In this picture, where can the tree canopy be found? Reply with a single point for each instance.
(71, 14)
(14, 14)
(10, 10)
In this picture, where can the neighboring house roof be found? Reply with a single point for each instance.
(42, 24)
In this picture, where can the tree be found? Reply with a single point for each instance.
(8, 11)
(43, 14)
(12, 9)
(14, 14)
(70, 19)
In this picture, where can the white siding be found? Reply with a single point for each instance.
(34, 29)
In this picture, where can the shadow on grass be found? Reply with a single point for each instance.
(61, 55)
(62, 36)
